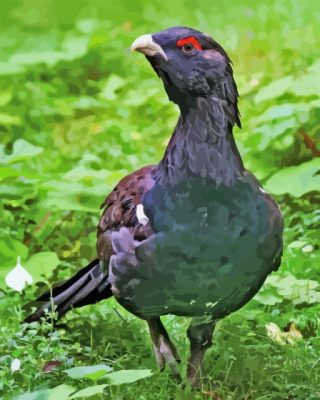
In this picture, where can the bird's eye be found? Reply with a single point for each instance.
(189, 44)
(187, 48)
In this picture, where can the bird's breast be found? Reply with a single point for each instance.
(207, 255)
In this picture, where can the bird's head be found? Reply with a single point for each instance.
(191, 65)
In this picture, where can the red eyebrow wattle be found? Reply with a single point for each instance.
(189, 40)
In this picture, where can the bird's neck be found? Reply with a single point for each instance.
(202, 145)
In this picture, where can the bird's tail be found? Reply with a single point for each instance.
(88, 286)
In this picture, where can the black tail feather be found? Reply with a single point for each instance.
(88, 286)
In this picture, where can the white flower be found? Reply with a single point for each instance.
(307, 249)
(15, 365)
(254, 82)
(18, 277)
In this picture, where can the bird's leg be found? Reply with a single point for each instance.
(200, 335)
(164, 349)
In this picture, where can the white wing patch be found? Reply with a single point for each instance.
(142, 218)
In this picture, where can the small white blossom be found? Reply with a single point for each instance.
(307, 248)
(15, 365)
(18, 277)
(254, 82)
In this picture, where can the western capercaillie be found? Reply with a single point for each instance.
(194, 235)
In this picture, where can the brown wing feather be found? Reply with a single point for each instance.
(120, 210)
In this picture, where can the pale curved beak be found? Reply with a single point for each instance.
(146, 45)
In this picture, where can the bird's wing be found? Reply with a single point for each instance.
(123, 208)
(91, 283)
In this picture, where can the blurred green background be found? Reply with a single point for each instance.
(78, 111)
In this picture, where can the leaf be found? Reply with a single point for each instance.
(38, 395)
(113, 83)
(307, 85)
(68, 202)
(142, 95)
(89, 391)
(315, 67)
(42, 264)
(269, 132)
(128, 376)
(16, 193)
(22, 150)
(72, 48)
(61, 392)
(93, 372)
(297, 244)
(297, 291)
(7, 119)
(87, 25)
(75, 194)
(276, 112)
(286, 110)
(7, 68)
(86, 103)
(10, 249)
(274, 89)
(6, 172)
(48, 57)
(84, 173)
(75, 47)
(296, 180)
(5, 98)
(268, 298)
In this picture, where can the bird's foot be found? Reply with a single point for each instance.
(195, 367)
(166, 354)
(194, 379)
(164, 349)
(159, 358)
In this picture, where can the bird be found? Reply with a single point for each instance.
(194, 235)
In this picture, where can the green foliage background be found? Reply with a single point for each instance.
(78, 112)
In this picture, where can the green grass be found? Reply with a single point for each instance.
(78, 112)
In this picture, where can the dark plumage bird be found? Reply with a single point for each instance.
(194, 235)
